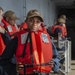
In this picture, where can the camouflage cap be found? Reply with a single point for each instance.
(34, 13)
(63, 16)
(11, 15)
(60, 20)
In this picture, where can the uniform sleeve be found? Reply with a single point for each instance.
(10, 49)
(57, 30)
(55, 51)
(6, 38)
(55, 34)
(50, 33)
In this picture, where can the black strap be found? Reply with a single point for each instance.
(31, 48)
(25, 45)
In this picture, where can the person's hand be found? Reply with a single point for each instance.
(60, 34)
(19, 67)
(51, 63)
(2, 30)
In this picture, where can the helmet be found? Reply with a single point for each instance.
(34, 13)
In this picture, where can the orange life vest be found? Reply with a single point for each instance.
(23, 26)
(12, 30)
(2, 45)
(62, 28)
(41, 51)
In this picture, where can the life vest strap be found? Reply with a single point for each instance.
(32, 65)
(31, 48)
(24, 50)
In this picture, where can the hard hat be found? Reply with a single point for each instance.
(63, 16)
(11, 15)
(60, 20)
(34, 13)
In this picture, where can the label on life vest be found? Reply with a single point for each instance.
(9, 28)
(45, 38)
(16, 26)
(23, 38)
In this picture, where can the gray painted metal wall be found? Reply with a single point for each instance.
(14, 5)
(21, 7)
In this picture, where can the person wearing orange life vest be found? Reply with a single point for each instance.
(56, 58)
(33, 47)
(9, 21)
(37, 36)
(5, 65)
(59, 28)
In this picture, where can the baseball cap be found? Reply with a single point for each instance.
(63, 16)
(61, 20)
(11, 15)
(34, 13)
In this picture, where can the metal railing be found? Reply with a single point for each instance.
(65, 54)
